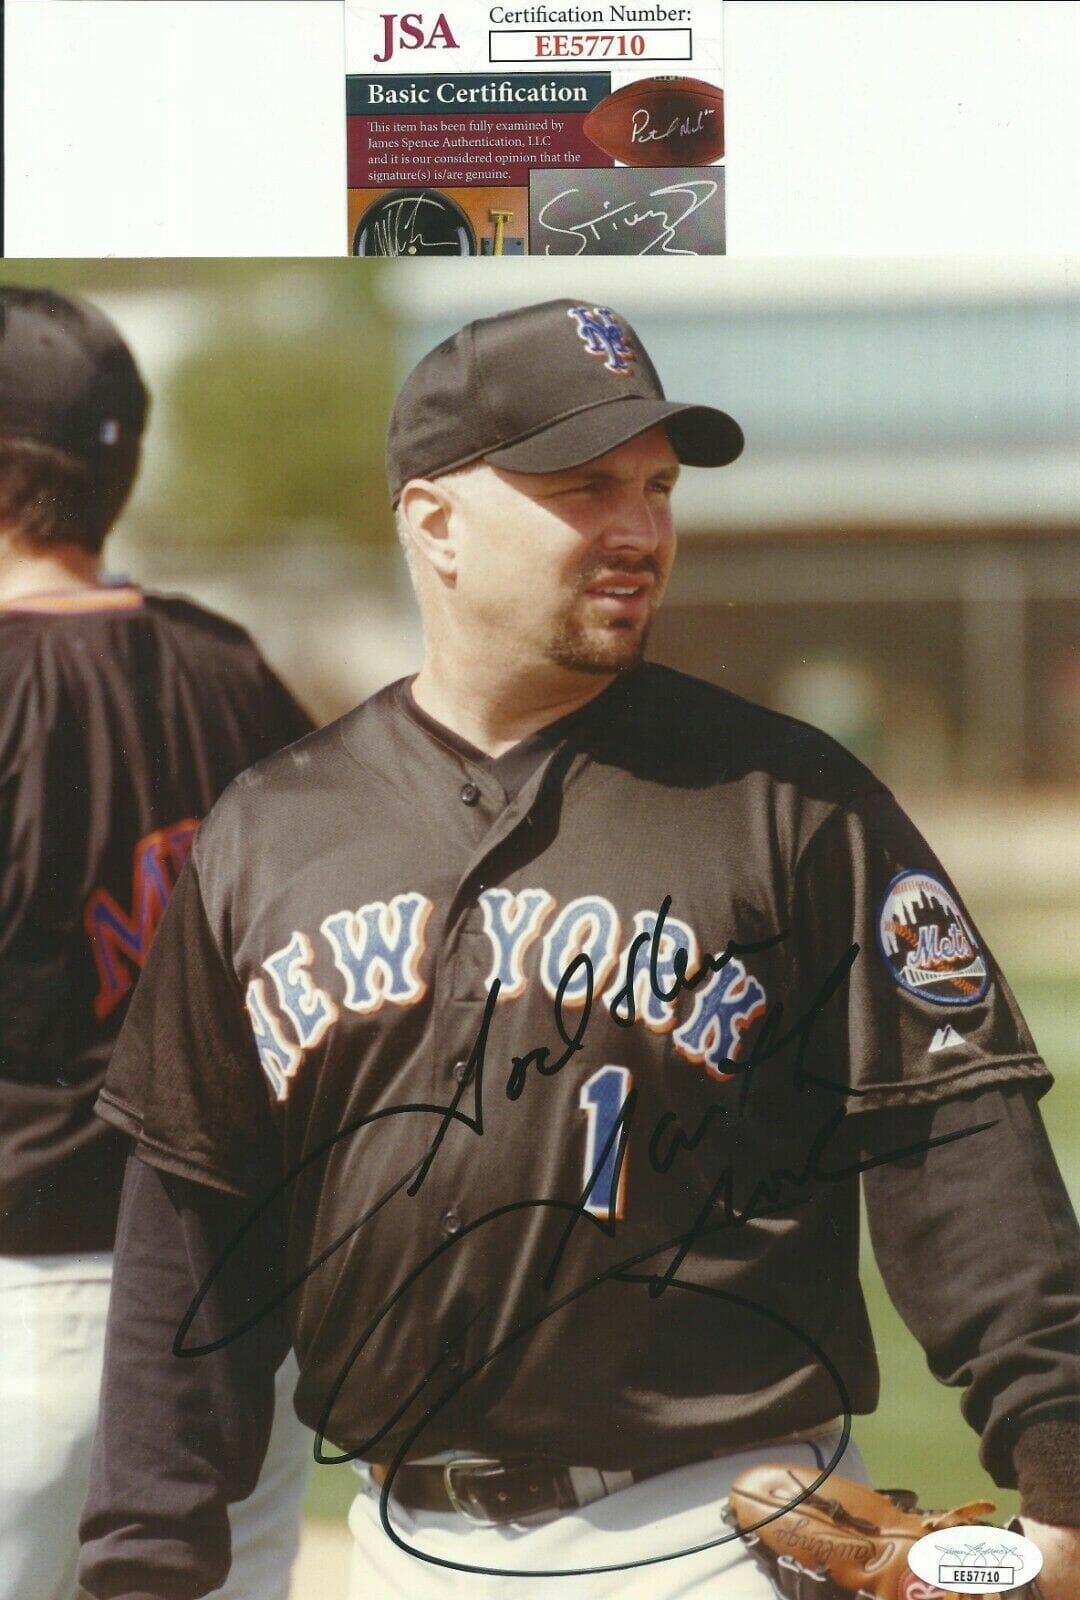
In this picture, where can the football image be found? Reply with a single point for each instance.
(660, 122)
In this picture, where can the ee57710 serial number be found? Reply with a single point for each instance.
(590, 44)
(648, 44)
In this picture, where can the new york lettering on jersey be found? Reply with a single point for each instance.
(379, 948)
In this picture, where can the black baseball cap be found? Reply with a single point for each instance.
(67, 378)
(539, 389)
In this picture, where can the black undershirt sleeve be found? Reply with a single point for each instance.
(179, 1437)
(979, 1248)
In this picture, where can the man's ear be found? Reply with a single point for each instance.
(425, 507)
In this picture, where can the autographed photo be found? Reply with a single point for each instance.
(804, 886)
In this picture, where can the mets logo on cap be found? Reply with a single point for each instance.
(604, 336)
(927, 943)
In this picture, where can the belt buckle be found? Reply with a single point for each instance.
(469, 1464)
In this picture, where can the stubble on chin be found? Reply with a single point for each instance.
(598, 651)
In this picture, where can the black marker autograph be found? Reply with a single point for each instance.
(779, 1189)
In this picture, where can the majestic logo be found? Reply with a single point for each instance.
(946, 1038)
(975, 1559)
(603, 336)
(121, 940)
(927, 944)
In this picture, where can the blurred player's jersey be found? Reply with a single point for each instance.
(122, 717)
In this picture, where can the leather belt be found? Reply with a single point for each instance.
(485, 1490)
(488, 1491)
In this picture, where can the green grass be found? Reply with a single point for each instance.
(331, 1492)
(917, 1438)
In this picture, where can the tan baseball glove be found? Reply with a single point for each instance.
(843, 1540)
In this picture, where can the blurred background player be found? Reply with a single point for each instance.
(122, 717)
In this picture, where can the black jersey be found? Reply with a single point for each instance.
(122, 718)
(559, 1077)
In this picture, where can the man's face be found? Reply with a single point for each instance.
(567, 568)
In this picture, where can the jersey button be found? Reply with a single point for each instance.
(470, 794)
(461, 1070)
(451, 1223)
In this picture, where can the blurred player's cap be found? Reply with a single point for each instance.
(539, 389)
(67, 379)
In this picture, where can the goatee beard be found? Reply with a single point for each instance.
(620, 650)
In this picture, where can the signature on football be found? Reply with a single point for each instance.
(653, 222)
(641, 132)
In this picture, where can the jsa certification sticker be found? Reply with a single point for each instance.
(549, 127)
(971, 1559)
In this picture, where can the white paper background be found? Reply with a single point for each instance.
(216, 127)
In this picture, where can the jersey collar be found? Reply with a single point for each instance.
(77, 602)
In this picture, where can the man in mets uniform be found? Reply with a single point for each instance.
(514, 1046)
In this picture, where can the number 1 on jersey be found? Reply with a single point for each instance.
(602, 1098)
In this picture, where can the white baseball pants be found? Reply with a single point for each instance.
(672, 1512)
(52, 1334)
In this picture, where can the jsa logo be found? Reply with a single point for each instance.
(411, 32)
